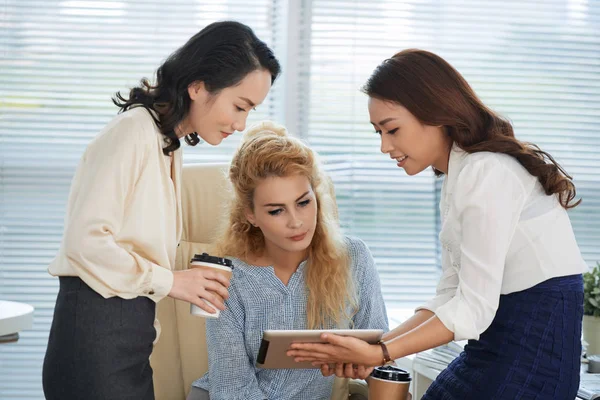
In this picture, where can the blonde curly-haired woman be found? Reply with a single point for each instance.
(293, 269)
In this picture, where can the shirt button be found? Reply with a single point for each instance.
(151, 292)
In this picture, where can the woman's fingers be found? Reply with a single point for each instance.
(313, 357)
(198, 301)
(204, 280)
(216, 288)
(325, 370)
(339, 370)
(216, 276)
(350, 371)
(364, 372)
(213, 299)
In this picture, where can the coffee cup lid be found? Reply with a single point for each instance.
(391, 373)
(205, 257)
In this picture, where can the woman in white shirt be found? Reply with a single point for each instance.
(511, 268)
(123, 220)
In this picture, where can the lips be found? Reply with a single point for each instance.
(400, 161)
(298, 238)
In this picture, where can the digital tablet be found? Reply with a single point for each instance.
(276, 343)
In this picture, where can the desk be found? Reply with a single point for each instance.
(14, 317)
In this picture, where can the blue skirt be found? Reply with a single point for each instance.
(532, 349)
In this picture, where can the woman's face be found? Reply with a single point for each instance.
(215, 117)
(285, 210)
(413, 145)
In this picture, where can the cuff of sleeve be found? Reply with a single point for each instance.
(456, 316)
(425, 307)
(160, 284)
(435, 303)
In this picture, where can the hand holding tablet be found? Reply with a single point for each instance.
(276, 343)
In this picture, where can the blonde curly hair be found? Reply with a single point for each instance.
(268, 151)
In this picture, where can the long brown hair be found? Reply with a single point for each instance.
(436, 94)
(267, 151)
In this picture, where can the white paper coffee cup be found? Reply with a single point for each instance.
(221, 265)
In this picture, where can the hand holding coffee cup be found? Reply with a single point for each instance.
(205, 288)
(216, 268)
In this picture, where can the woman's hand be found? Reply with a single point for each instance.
(193, 285)
(351, 371)
(337, 350)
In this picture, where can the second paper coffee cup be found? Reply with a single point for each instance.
(389, 383)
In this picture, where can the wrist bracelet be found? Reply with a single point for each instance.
(386, 353)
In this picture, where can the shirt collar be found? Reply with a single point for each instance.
(457, 155)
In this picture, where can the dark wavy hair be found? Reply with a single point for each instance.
(221, 55)
(436, 94)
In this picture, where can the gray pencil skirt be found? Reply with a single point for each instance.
(99, 348)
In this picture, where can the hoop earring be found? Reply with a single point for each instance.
(193, 139)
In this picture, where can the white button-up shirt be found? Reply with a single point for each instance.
(500, 234)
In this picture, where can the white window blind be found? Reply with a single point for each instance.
(536, 62)
(60, 63)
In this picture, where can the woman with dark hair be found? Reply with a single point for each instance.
(123, 220)
(511, 269)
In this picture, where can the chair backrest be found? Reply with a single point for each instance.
(180, 356)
